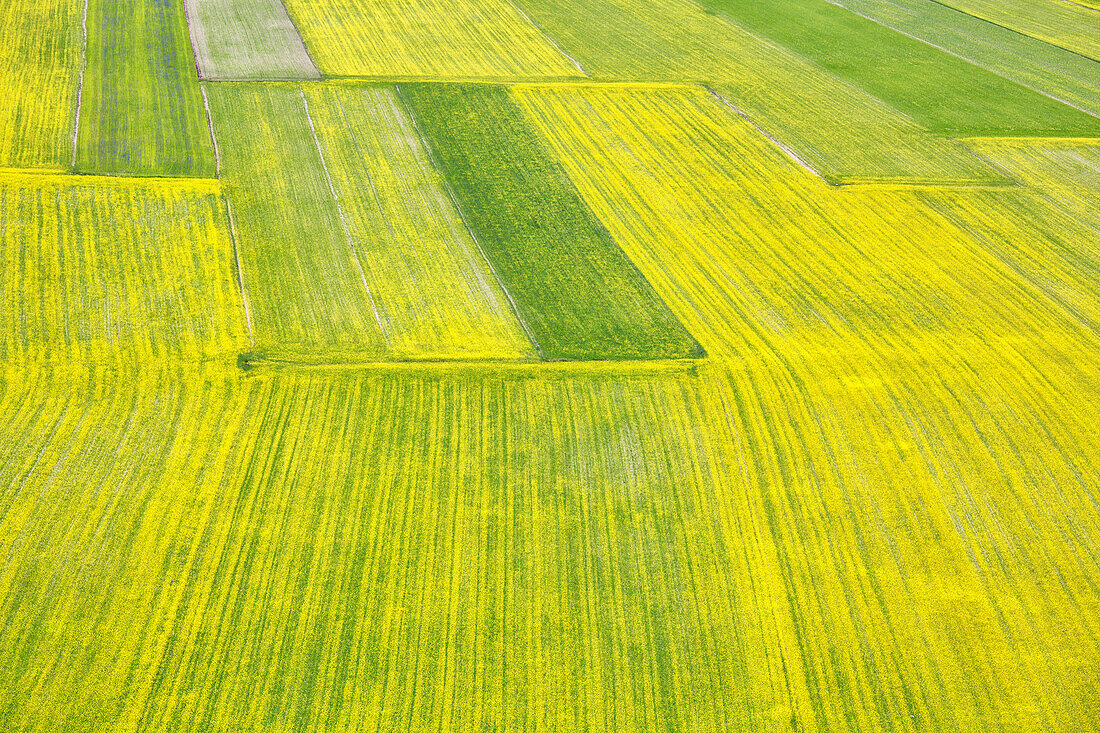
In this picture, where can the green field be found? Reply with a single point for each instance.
(940, 91)
(610, 367)
(141, 110)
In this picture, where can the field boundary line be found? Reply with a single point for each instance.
(63, 178)
(240, 270)
(548, 37)
(213, 136)
(789, 152)
(533, 368)
(465, 222)
(298, 31)
(340, 214)
(80, 84)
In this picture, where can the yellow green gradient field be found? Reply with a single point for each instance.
(543, 366)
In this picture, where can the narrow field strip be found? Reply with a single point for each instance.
(941, 92)
(579, 295)
(1065, 24)
(841, 131)
(760, 257)
(119, 271)
(426, 39)
(435, 294)
(1036, 64)
(370, 258)
(305, 285)
(40, 62)
(247, 39)
(141, 110)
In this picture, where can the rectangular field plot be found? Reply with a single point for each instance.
(141, 110)
(939, 91)
(97, 270)
(579, 295)
(40, 62)
(758, 256)
(351, 248)
(1058, 253)
(1039, 65)
(305, 285)
(247, 39)
(426, 38)
(841, 131)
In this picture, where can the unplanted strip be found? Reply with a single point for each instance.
(247, 39)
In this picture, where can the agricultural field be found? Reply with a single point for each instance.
(544, 365)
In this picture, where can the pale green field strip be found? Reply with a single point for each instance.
(840, 131)
(1036, 64)
(40, 64)
(937, 90)
(577, 293)
(247, 39)
(305, 286)
(436, 296)
(141, 110)
(828, 546)
(1065, 172)
(760, 257)
(126, 270)
(1068, 25)
(351, 248)
(426, 39)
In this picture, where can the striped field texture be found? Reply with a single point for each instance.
(812, 546)
(305, 285)
(351, 248)
(436, 296)
(1070, 25)
(760, 256)
(426, 39)
(1036, 64)
(841, 131)
(1067, 173)
(1056, 253)
(109, 269)
(579, 295)
(247, 39)
(141, 110)
(40, 61)
(939, 91)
